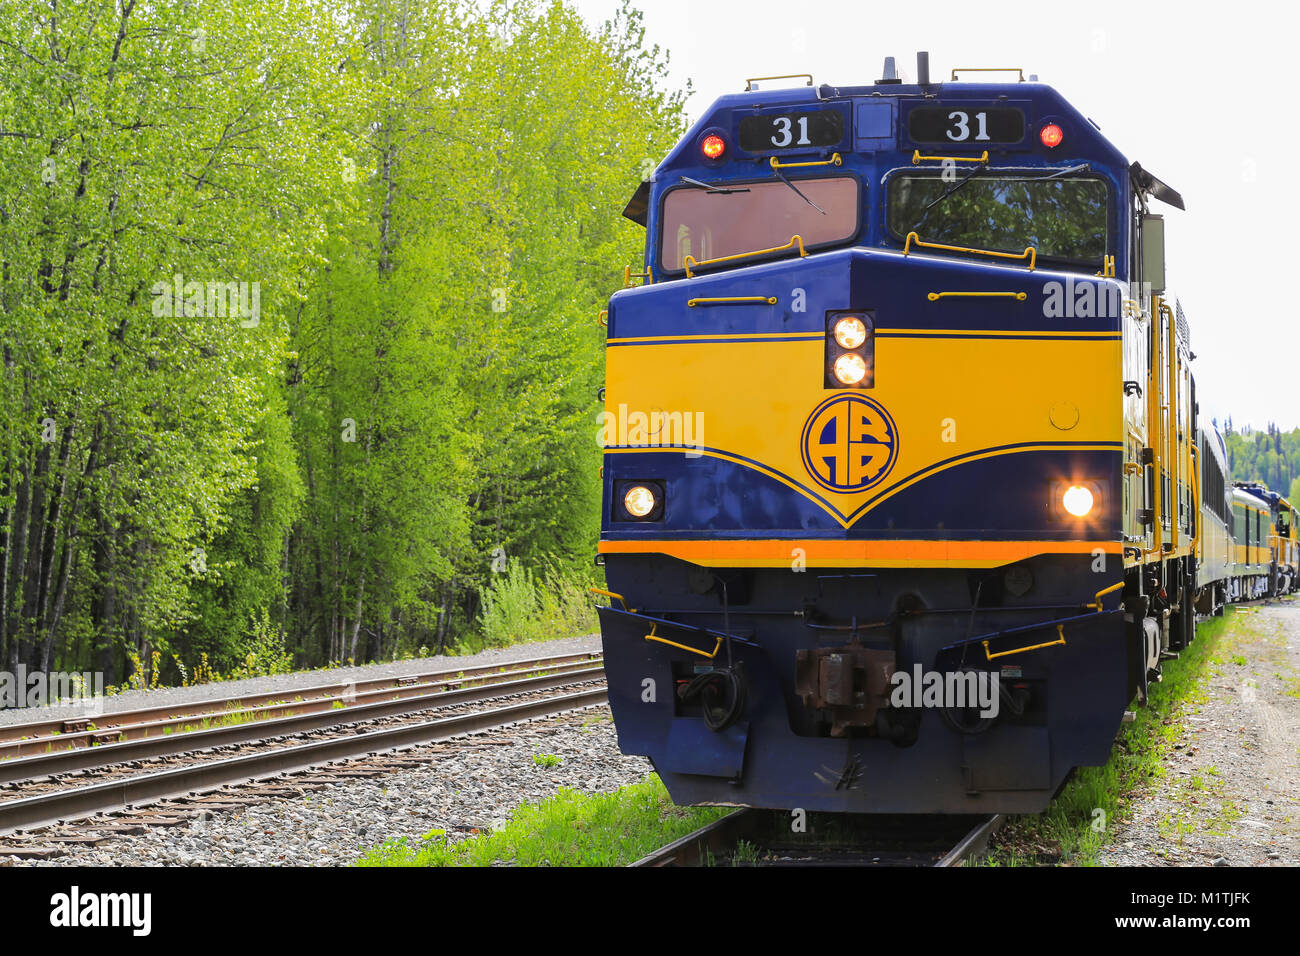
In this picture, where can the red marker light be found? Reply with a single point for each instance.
(713, 147)
(1051, 135)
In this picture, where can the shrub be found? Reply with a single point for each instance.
(518, 608)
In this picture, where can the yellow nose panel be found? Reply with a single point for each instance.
(941, 398)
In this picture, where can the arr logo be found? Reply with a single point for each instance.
(849, 443)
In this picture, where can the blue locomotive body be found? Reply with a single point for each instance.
(901, 474)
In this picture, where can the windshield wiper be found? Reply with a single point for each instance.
(1062, 172)
(781, 176)
(712, 189)
(1081, 167)
(934, 202)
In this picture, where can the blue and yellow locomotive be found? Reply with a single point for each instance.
(901, 478)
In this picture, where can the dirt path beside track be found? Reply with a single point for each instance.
(1230, 792)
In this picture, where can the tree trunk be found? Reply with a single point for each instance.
(22, 511)
(104, 606)
(50, 542)
(356, 624)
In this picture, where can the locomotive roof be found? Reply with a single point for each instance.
(1040, 103)
(1045, 101)
(1254, 494)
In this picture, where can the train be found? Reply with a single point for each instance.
(906, 495)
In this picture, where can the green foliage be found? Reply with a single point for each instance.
(1271, 457)
(1065, 218)
(516, 608)
(547, 760)
(265, 652)
(243, 577)
(425, 200)
(143, 143)
(510, 609)
(569, 829)
(448, 357)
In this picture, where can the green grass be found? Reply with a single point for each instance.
(217, 720)
(1071, 831)
(569, 829)
(746, 853)
(547, 760)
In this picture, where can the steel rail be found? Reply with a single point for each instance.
(218, 705)
(84, 758)
(690, 850)
(74, 803)
(974, 842)
(721, 837)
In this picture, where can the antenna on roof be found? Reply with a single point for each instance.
(890, 72)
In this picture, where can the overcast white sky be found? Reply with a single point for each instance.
(1204, 96)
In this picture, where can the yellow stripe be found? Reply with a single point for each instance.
(953, 333)
(983, 333)
(838, 553)
(730, 336)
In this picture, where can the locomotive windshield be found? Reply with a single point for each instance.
(745, 217)
(1061, 218)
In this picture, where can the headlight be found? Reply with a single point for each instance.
(1077, 500)
(850, 368)
(639, 501)
(850, 332)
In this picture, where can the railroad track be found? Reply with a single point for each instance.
(178, 785)
(48, 735)
(749, 837)
(23, 771)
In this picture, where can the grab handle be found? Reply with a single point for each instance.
(1060, 631)
(795, 242)
(1030, 252)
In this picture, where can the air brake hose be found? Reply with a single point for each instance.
(713, 686)
(1015, 703)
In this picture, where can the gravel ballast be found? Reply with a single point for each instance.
(1230, 793)
(473, 784)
